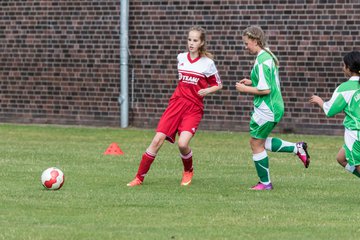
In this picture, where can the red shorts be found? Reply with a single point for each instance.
(180, 115)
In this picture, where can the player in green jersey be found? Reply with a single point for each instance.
(264, 84)
(346, 98)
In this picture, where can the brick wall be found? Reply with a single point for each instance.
(60, 63)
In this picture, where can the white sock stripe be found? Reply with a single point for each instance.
(260, 156)
(268, 143)
(150, 153)
(187, 156)
(295, 151)
(350, 168)
(266, 183)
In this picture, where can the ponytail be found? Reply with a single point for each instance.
(272, 55)
(206, 53)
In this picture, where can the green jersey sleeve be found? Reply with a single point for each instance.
(346, 98)
(265, 76)
(336, 104)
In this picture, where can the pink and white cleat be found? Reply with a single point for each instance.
(260, 186)
(303, 154)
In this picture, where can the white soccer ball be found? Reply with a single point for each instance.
(52, 178)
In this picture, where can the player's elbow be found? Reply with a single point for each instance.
(264, 92)
(330, 112)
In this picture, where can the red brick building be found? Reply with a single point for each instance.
(60, 60)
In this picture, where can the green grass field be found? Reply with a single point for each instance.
(316, 203)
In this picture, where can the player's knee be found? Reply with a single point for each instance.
(257, 145)
(338, 159)
(251, 141)
(341, 160)
(157, 142)
(183, 146)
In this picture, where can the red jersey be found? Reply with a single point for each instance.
(195, 74)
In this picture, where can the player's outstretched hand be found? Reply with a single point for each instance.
(316, 100)
(240, 87)
(245, 81)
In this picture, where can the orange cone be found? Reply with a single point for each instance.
(113, 149)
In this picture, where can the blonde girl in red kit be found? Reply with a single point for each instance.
(198, 77)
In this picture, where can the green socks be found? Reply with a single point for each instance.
(353, 170)
(278, 145)
(261, 161)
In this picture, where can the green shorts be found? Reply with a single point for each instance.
(260, 128)
(352, 147)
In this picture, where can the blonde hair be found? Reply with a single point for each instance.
(257, 34)
(202, 49)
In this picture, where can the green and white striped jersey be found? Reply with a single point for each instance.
(265, 75)
(346, 97)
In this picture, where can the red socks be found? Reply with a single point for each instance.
(146, 161)
(148, 158)
(187, 161)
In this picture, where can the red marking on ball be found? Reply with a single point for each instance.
(54, 174)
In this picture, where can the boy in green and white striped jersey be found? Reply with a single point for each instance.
(346, 98)
(264, 84)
